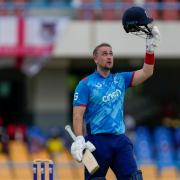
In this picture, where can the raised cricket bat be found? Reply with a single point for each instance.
(88, 159)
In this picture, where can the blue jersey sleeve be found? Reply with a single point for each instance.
(128, 76)
(81, 94)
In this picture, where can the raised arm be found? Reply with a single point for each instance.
(149, 60)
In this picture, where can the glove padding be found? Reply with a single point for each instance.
(78, 147)
(153, 40)
(90, 146)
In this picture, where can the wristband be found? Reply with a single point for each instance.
(149, 58)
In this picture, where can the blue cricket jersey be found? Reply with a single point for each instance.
(104, 101)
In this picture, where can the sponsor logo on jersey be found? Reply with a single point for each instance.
(98, 85)
(115, 81)
(111, 96)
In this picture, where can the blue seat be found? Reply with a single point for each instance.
(164, 147)
(177, 140)
(143, 146)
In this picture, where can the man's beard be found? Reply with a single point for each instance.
(106, 68)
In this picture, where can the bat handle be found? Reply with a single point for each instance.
(69, 130)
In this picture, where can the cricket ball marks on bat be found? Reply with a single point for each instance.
(88, 159)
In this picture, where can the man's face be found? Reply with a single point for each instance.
(104, 58)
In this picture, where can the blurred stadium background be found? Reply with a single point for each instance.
(45, 48)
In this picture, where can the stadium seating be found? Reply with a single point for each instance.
(143, 146)
(177, 140)
(164, 147)
(67, 167)
(162, 10)
(154, 150)
(169, 173)
(19, 155)
(108, 13)
(150, 172)
(87, 13)
(41, 154)
(154, 12)
(170, 13)
(5, 170)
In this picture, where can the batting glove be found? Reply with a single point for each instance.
(77, 148)
(153, 40)
(90, 146)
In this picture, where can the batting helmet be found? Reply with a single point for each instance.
(136, 19)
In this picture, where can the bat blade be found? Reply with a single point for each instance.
(90, 162)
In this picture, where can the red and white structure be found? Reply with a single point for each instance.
(33, 37)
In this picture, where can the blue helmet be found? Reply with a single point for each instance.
(136, 19)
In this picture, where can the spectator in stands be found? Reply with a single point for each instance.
(20, 133)
(36, 139)
(11, 129)
(54, 143)
(17, 131)
(76, 3)
(57, 1)
(36, 144)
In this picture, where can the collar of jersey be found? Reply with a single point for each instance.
(99, 75)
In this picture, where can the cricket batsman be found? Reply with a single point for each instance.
(99, 104)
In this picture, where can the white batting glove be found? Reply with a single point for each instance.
(90, 146)
(77, 148)
(153, 40)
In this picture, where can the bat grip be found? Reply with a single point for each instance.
(69, 130)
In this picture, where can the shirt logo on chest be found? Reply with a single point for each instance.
(111, 96)
(98, 85)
